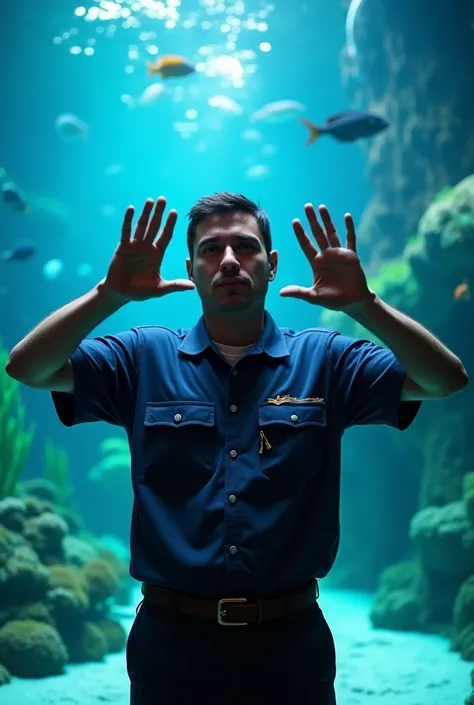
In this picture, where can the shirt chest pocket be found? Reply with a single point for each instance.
(293, 438)
(180, 446)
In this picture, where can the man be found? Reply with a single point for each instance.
(235, 430)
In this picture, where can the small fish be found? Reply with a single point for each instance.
(19, 253)
(70, 129)
(171, 66)
(279, 111)
(462, 292)
(14, 197)
(347, 126)
(224, 103)
(151, 94)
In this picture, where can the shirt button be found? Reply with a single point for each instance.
(177, 418)
(232, 498)
(233, 550)
(234, 373)
(233, 453)
(233, 408)
(294, 418)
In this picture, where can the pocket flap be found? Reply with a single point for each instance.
(292, 414)
(179, 413)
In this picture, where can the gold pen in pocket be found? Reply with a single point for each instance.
(264, 443)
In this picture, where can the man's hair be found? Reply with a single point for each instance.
(225, 202)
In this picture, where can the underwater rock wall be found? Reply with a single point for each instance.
(431, 281)
(412, 62)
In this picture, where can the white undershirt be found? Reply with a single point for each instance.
(233, 353)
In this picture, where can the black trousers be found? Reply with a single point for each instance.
(175, 659)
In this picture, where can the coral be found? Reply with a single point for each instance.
(117, 554)
(444, 465)
(31, 649)
(12, 513)
(36, 611)
(114, 633)
(446, 230)
(444, 539)
(35, 506)
(46, 533)
(22, 577)
(405, 574)
(54, 585)
(88, 643)
(67, 608)
(5, 676)
(15, 437)
(101, 580)
(397, 609)
(463, 621)
(398, 601)
(69, 578)
(41, 488)
(52, 612)
(77, 552)
(117, 564)
(463, 642)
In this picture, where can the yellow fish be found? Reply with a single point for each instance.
(461, 292)
(171, 66)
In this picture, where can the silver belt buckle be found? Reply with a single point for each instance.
(221, 612)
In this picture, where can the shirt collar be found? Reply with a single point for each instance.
(271, 341)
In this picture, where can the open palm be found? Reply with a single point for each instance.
(135, 271)
(338, 278)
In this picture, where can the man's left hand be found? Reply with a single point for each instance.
(339, 281)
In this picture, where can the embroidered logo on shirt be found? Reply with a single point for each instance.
(286, 399)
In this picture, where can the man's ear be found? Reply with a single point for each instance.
(189, 269)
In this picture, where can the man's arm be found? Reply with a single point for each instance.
(42, 358)
(432, 370)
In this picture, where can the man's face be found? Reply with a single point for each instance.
(230, 268)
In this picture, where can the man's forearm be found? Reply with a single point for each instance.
(48, 347)
(426, 360)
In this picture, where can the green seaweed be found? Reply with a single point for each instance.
(56, 470)
(15, 436)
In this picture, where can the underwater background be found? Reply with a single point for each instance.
(86, 131)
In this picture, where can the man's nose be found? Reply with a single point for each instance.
(229, 261)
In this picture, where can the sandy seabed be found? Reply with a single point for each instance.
(375, 667)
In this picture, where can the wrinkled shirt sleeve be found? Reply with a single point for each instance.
(367, 382)
(105, 381)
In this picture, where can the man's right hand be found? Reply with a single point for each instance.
(135, 271)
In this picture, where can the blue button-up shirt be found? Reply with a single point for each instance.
(235, 470)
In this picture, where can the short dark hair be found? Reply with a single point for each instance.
(224, 202)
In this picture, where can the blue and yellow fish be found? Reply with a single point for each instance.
(171, 66)
(347, 126)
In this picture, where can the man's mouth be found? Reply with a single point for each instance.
(232, 282)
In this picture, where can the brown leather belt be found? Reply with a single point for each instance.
(232, 611)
